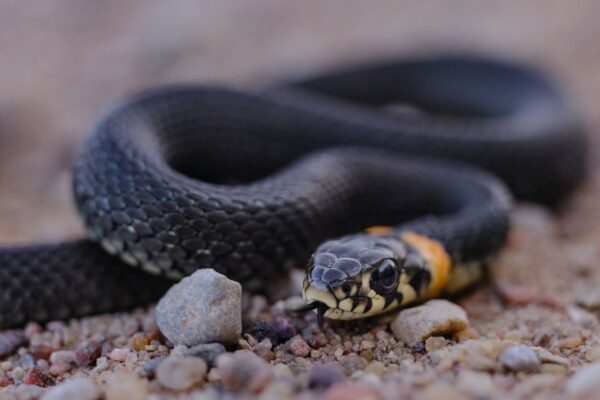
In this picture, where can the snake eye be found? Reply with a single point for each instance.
(384, 279)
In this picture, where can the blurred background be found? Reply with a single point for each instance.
(64, 62)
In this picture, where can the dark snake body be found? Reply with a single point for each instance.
(190, 177)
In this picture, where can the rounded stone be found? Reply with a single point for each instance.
(520, 359)
(205, 307)
(181, 373)
(434, 318)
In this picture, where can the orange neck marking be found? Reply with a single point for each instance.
(438, 259)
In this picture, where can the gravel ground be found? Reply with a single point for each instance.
(534, 333)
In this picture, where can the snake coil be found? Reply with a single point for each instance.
(189, 177)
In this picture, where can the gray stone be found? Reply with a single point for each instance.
(205, 307)
(434, 318)
(181, 373)
(520, 359)
(76, 388)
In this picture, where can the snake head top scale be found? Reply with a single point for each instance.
(363, 275)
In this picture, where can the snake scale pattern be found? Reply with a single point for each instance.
(251, 183)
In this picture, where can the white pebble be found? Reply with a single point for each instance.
(76, 388)
(119, 354)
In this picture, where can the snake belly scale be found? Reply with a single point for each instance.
(193, 176)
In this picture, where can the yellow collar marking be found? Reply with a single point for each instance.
(437, 257)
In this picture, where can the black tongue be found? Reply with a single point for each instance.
(306, 308)
(315, 305)
(321, 308)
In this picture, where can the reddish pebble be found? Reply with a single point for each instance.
(87, 352)
(42, 352)
(36, 376)
(5, 381)
(317, 341)
(299, 347)
(351, 390)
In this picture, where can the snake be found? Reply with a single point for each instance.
(391, 180)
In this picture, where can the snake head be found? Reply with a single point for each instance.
(363, 275)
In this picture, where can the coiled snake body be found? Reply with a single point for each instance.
(189, 177)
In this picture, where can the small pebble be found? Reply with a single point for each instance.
(139, 341)
(87, 352)
(351, 390)
(124, 385)
(321, 376)
(204, 307)
(181, 373)
(284, 329)
(131, 360)
(353, 362)
(76, 388)
(582, 316)
(36, 376)
(434, 343)
(548, 358)
(119, 354)
(206, 351)
(59, 368)
(10, 340)
(589, 300)
(585, 383)
(27, 361)
(299, 347)
(243, 371)
(42, 352)
(101, 364)
(151, 365)
(520, 359)
(17, 374)
(478, 384)
(571, 343)
(31, 329)
(376, 367)
(593, 354)
(62, 356)
(262, 330)
(56, 326)
(434, 318)
(263, 350)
